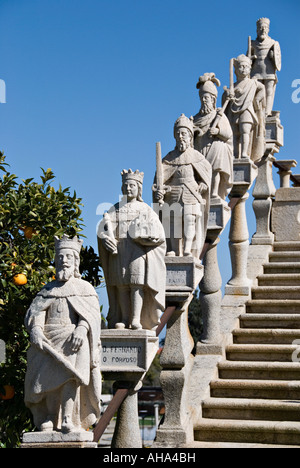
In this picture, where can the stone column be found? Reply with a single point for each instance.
(264, 193)
(127, 431)
(245, 173)
(285, 172)
(183, 276)
(211, 283)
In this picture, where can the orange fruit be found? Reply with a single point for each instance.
(20, 280)
(28, 232)
(9, 392)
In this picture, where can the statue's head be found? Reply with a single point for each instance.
(263, 28)
(67, 257)
(208, 93)
(184, 133)
(242, 66)
(132, 184)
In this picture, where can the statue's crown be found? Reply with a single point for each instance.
(66, 243)
(184, 121)
(242, 58)
(263, 21)
(130, 175)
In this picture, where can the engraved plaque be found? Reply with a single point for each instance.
(123, 355)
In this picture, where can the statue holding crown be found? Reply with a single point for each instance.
(63, 380)
(132, 249)
(213, 136)
(185, 189)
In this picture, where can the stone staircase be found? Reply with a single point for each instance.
(255, 401)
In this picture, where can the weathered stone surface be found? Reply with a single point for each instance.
(63, 368)
(286, 212)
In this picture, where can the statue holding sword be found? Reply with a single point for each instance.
(182, 183)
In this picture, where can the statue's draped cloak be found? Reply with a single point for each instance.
(134, 263)
(218, 150)
(202, 172)
(50, 369)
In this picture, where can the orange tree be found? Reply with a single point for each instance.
(31, 214)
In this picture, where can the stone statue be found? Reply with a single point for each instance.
(266, 55)
(132, 249)
(63, 380)
(213, 136)
(246, 111)
(186, 175)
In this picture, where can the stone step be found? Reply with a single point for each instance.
(261, 389)
(273, 306)
(269, 432)
(265, 336)
(246, 370)
(260, 352)
(279, 279)
(279, 267)
(286, 246)
(274, 321)
(249, 409)
(276, 292)
(238, 445)
(285, 257)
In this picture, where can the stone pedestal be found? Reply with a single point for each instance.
(245, 173)
(211, 283)
(274, 132)
(126, 357)
(264, 193)
(56, 439)
(183, 276)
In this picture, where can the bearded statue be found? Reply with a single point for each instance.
(63, 380)
(213, 136)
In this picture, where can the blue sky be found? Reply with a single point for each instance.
(93, 84)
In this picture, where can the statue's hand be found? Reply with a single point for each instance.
(202, 188)
(36, 337)
(159, 195)
(213, 132)
(109, 244)
(77, 338)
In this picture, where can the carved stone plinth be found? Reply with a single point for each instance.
(55, 439)
(274, 132)
(183, 275)
(126, 357)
